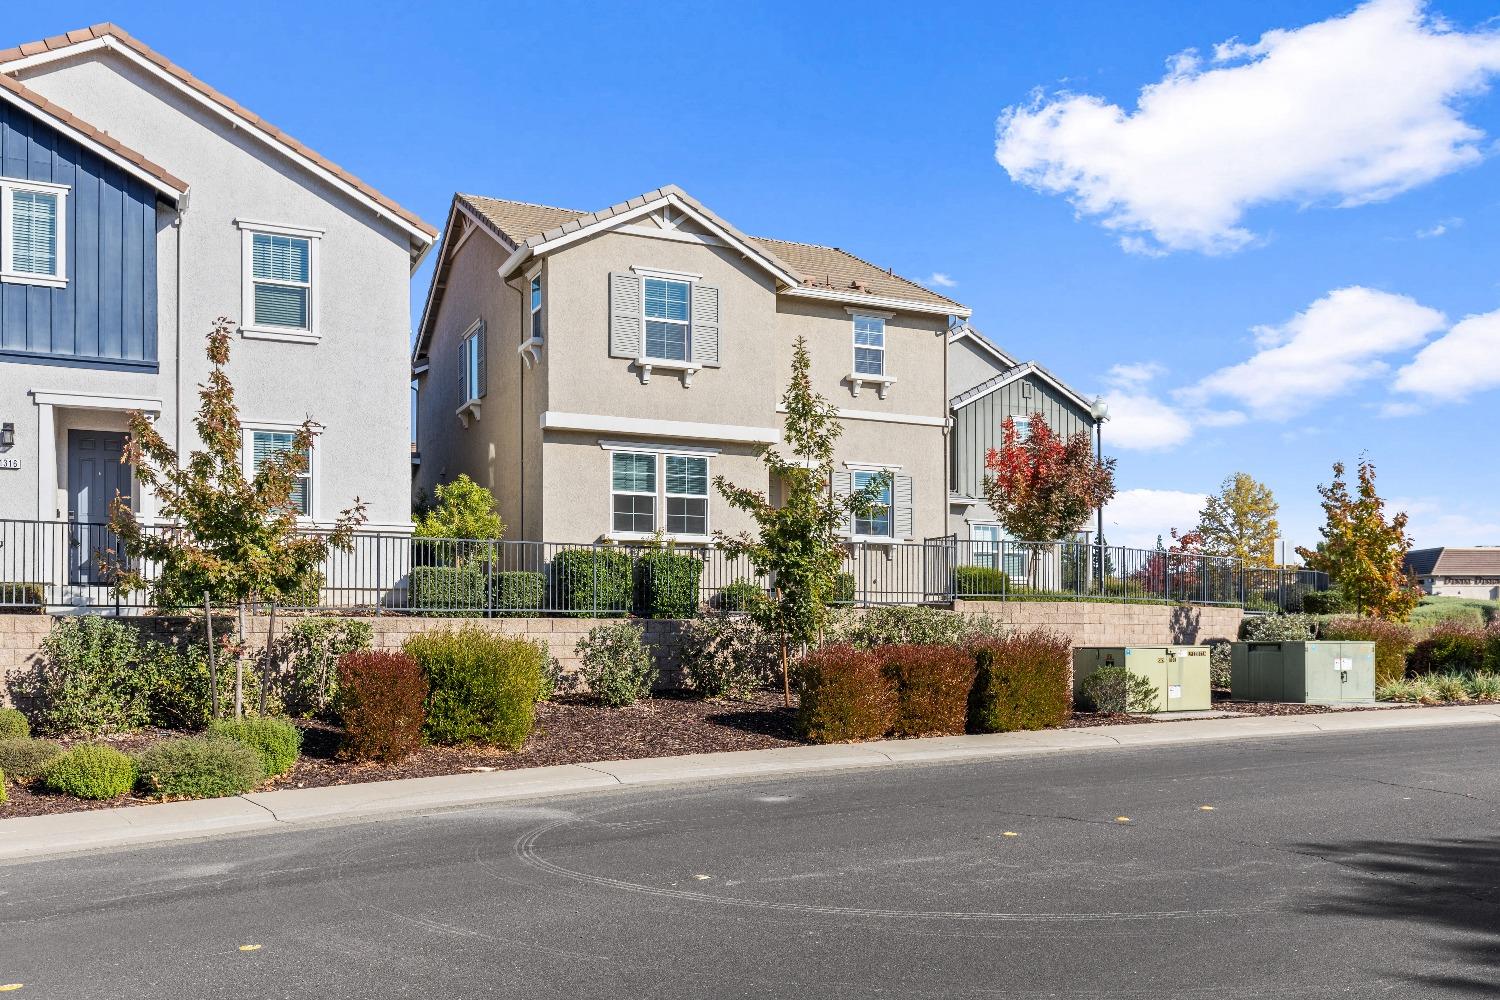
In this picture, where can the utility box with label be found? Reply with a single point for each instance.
(1313, 672)
(1179, 673)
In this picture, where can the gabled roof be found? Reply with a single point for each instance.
(1452, 561)
(1018, 372)
(99, 142)
(113, 37)
(963, 331)
(527, 230)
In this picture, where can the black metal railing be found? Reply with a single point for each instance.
(67, 564)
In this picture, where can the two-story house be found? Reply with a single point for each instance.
(597, 370)
(137, 203)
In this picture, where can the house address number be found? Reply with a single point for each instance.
(9, 463)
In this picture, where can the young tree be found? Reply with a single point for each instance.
(232, 538)
(797, 545)
(1240, 521)
(462, 521)
(1045, 488)
(1361, 551)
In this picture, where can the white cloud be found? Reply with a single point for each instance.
(942, 280)
(1140, 420)
(1135, 517)
(1320, 353)
(1463, 361)
(1136, 373)
(1438, 229)
(1400, 410)
(1440, 522)
(1355, 109)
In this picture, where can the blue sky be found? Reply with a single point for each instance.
(1250, 263)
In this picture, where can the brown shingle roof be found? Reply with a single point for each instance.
(28, 96)
(518, 221)
(1449, 561)
(830, 267)
(107, 30)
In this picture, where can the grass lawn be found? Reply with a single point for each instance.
(1435, 609)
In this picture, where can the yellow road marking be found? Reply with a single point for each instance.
(10, 986)
(249, 947)
(1207, 809)
(1122, 819)
(1010, 833)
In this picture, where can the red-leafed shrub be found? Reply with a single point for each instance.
(845, 696)
(1449, 647)
(381, 698)
(1023, 682)
(1393, 640)
(932, 687)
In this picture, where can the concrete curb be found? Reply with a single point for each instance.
(32, 837)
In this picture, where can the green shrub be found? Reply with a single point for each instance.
(448, 591)
(23, 598)
(1452, 686)
(518, 593)
(615, 663)
(741, 595)
(482, 688)
(932, 688)
(845, 696)
(1485, 686)
(1405, 690)
(462, 509)
(309, 652)
(1324, 602)
(1449, 646)
(1470, 610)
(24, 759)
(593, 582)
(667, 584)
(1277, 628)
(13, 725)
(90, 772)
(275, 740)
(979, 581)
(1220, 663)
(3, 794)
(1021, 682)
(381, 701)
(727, 656)
(844, 588)
(1116, 691)
(88, 680)
(198, 767)
(918, 624)
(179, 693)
(1393, 641)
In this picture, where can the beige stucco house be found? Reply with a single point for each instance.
(597, 370)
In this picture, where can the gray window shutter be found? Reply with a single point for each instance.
(706, 325)
(901, 493)
(843, 489)
(626, 338)
(484, 365)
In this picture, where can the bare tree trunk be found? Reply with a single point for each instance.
(265, 669)
(786, 676)
(213, 663)
(239, 668)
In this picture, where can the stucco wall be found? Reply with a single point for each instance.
(1089, 623)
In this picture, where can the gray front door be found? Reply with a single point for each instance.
(95, 476)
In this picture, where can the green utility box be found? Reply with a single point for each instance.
(1179, 673)
(1315, 672)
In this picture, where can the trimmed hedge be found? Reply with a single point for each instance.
(381, 700)
(1324, 602)
(845, 696)
(448, 591)
(932, 688)
(1392, 642)
(667, 584)
(482, 688)
(24, 759)
(517, 593)
(844, 587)
(980, 581)
(275, 740)
(13, 725)
(1021, 682)
(593, 582)
(198, 767)
(741, 595)
(90, 772)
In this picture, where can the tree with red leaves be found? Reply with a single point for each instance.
(1044, 488)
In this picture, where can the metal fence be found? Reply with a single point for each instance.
(63, 565)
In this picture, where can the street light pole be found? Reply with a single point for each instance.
(1099, 410)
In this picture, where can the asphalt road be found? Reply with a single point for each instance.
(1339, 866)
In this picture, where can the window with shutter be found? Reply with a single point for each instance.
(667, 323)
(877, 521)
(33, 231)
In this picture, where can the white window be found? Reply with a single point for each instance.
(469, 350)
(667, 323)
(33, 233)
(633, 492)
(281, 282)
(687, 495)
(536, 308)
(263, 445)
(990, 550)
(869, 345)
(877, 520)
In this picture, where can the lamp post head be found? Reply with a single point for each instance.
(1099, 410)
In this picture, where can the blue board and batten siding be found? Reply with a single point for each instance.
(106, 314)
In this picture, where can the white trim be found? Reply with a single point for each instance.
(687, 368)
(238, 121)
(468, 412)
(275, 333)
(905, 305)
(248, 327)
(890, 508)
(675, 449)
(282, 426)
(470, 397)
(421, 369)
(872, 467)
(95, 401)
(656, 233)
(854, 311)
(965, 331)
(8, 188)
(882, 383)
(247, 458)
(707, 541)
(666, 275)
(1021, 371)
(555, 420)
(888, 418)
(280, 230)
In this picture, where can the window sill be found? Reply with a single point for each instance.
(43, 280)
(872, 540)
(285, 336)
(469, 411)
(687, 368)
(651, 536)
(881, 383)
(531, 351)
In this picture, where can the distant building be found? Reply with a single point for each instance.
(1455, 572)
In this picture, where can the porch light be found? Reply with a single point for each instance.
(7, 435)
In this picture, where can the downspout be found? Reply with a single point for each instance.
(177, 322)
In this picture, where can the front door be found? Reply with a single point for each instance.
(95, 476)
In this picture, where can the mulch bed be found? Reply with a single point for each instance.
(569, 731)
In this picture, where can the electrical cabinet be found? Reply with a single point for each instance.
(1179, 673)
(1314, 672)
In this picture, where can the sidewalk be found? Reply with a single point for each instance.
(32, 837)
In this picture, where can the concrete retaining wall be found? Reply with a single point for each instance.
(1087, 623)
